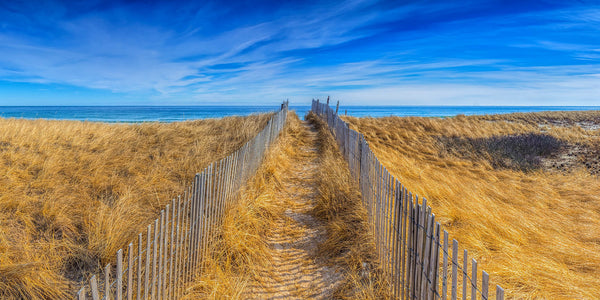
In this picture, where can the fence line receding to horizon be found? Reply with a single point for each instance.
(169, 253)
(412, 247)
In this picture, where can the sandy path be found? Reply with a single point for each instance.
(296, 272)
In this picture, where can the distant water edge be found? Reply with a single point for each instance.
(134, 114)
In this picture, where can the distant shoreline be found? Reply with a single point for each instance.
(167, 114)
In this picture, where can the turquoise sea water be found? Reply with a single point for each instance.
(180, 113)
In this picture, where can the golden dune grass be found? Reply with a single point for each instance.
(240, 258)
(535, 230)
(73, 193)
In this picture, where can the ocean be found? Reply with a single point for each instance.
(134, 114)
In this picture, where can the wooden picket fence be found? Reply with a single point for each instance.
(168, 255)
(412, 247)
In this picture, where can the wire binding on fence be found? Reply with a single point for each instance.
(170, 255)
(407, 237)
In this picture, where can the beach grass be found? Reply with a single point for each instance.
(72, 193)
(520, 191)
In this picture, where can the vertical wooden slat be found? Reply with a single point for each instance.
(119, 287)
(190, 215)
(159, 260)
(94, 286)
(474, 279)
(175, 252)
(155, 258)
(454, 268)
(147, 270)
(485, 282)
(445, 268)
(425, 285)
(81, 294)
(130, 270)
(195, 222)
(139, 268)
(107, 282)
(207, 216)
(434, 262)
(384, 218)
(411, 222)
(396, 236)
(207, 196)
(376, 216)
(172, 252)
(389, 211)
(166, 253)
(499, 293)
(178, 247)
(413, 246)
(185, 240)
(405, 232)
(465, 269)
(437, 258)
(419, 246)
(193, 226)
(197, 225)
(201, 218)
(182, 243)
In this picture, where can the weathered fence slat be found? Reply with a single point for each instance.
(499, 293)
(147, 270)
(485, 281)
(94, 287)
(107, 282)
(119, 287)
(130, 270)
(161, 239)
(454, 269)
(465, 269)
(172, 252)
(473, 279)
(81, 294)
(139, 269)
(155, 257)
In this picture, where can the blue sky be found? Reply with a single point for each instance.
(361, 52)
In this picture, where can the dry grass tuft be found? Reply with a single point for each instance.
(533, 226)
(73, 193)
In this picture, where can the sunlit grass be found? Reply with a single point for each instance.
(73, 193)
(535, 229)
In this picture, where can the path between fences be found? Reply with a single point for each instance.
(296, 272)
